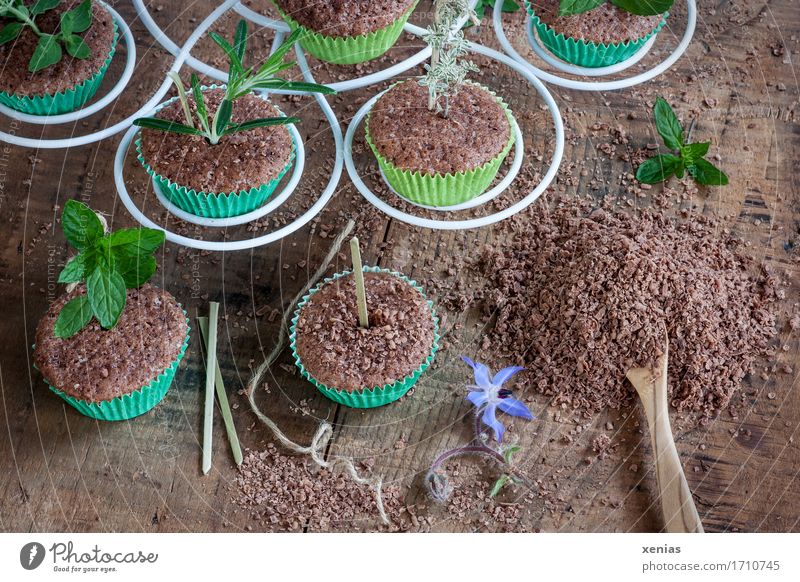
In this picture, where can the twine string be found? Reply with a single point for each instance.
(324, 434)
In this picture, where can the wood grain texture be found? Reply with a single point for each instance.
(63, 472)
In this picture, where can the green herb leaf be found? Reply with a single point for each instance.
(10, 32)
(498, 485)
(107, 295)
(77, 47)
(164, 125)
(236, 66)
(73, 317)
(240, 39)
(707, 173)
(42, 6)
(276, 59)
(659, 168)
(197, 93)
(136, 240)
(80, 224)
(46, 53)
(667, 124)
(76, 269)
(280, 84)
(694, 151)
(79, 19)
(256, 123)
(135, 270)
(644, 7)
(223, 116)
(568, 7)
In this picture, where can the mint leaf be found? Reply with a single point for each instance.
(107, 295)
(568, 7)
(76, 269)
(42, 6)
(135, 270)
(46, 53)
(140, 240)
(80, 224)
(644, 7)
(73, 317)
(667, 124)
(707, 173)
(78, 19)
(10, 32)
(659, 168)
(694, 151)
(77, 47)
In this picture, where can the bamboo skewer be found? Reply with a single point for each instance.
(222, 399)
(358, 273)
(211, 364)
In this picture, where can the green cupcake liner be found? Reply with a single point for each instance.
(349, 50)
(585, 53)
(65, 101)
(370, 397)
(443, 189)
(130, 405)
(210, 204)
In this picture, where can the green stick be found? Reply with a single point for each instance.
(211, 363)
(358, 273)
(222, 398)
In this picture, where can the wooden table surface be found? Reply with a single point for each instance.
(60, 471)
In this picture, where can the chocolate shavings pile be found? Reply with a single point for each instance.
(582, 296)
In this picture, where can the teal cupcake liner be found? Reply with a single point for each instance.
(349, 50)
(440, 190)
(210, 204)
(378, 395)
(585, 53)
(64, 101)
(133, 404)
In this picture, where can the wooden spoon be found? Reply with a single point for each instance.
(677, 504)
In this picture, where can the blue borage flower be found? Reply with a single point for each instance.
(488, 395)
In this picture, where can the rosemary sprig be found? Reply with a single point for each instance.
(241, 81)
(638, 7)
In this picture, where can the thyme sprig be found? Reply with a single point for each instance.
(447, 69)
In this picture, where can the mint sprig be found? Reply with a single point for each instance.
(241, 81)
(108, 264)
(48, 50)
(638, 7)
(690, 156)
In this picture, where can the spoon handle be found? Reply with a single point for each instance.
(677, 504)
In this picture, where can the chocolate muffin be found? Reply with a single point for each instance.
(18, 86)
(340, 357)
(240, 161)
(344, 17)
(97, 365)
(347, 32)
(412, 137)
(606, 24)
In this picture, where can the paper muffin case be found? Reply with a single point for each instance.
(349, 50)
(133, 404)
(585, 53)
(368, 397)
(209, 204)
(443, 189)
(65, 101)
